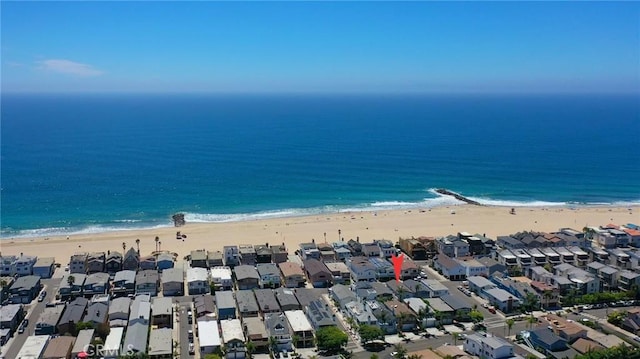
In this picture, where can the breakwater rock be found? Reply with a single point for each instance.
(457, 196)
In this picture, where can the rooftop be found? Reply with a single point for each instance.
(232, 330)
(298, 321)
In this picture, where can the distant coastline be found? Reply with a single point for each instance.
(439, 201)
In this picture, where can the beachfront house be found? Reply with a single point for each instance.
(387, 249)
(370, 250)
(165, 261)
(113, 262)
(198, 259)
(78, 263)
(148, 263)
(231, 256)
(131, 260)
(44, 267)
(95, 262)
(71, 285)
(309, 250)
(215, 259)
(263, 253)
(247, 254)
(279, 253)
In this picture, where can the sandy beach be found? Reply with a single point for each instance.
(492, 221)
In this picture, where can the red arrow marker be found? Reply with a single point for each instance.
(397, 264)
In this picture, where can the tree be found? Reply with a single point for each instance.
(71, 279)
(369, 333)
(400, 320)
(510, 323)
(455, 337)
(250, 349)
(211, 356)
(476, 316)
(103, 330)
(401, 351)
(531, 302)
(273, 344)
(616, 317)
(157, 240)
(138, 245)
(374, 356)
(331, 339)
(415, 356)
(124, 247)
(532, 320)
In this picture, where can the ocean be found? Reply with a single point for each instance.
(99, 162)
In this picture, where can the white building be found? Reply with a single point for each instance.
(487, 347)
(209, 336)
(301, 328)
(111, 348)
(33, 347)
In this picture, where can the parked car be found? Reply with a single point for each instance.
(23, 326)
(192, 348)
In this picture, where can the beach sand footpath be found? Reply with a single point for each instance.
(492, 221)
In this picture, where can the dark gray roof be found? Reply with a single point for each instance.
(318, 311)
(128, 276)
(307, 295)
(245, 272)
(246, 301)
(97, 313)
(276, 324)
(225, 300)
(50, 316)
(120, 305)
(267, 269)
(136, 337)
(286, 297)
(454, 302)
(147, 276)
(25, 283)
(546, 336)
(204, 304)
(74, 311)
(342, 292)
(266, 300)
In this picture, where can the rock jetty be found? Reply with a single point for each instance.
(457, 196)
(178, 219)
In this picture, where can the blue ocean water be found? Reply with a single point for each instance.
(98, 162)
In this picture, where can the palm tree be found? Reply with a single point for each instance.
(455, 337)
(157, 240)
(415, 356)
(532, 320)
(273, 344)
(138, 245)
(124, 247)
(401, 319)
(159, 245)
(401, 292)
(510, 323)
(71, 279)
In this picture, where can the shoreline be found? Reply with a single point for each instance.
(366, 225)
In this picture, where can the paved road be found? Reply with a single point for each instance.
(183, 325)
(34, 310)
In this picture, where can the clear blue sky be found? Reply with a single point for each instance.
(319, 46)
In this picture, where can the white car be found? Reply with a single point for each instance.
(192, 348)
(393, 354)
